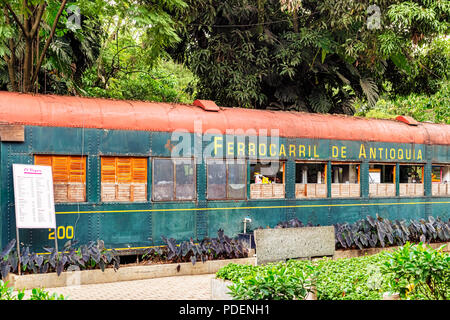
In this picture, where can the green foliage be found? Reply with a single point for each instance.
(422, 107)
(7, 293)
(77, 48)
(359, 278)
(40, 294)
(316, 56)
(166, 82)
(418, 272)
(281, 281)
(350, 279)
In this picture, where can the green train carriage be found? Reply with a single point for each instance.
(129, 172)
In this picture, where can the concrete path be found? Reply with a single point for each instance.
(196, 287)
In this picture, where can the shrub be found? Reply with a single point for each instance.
(280, 281)
(7, 293)
(419, 272)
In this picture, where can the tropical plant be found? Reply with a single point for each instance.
(316, 56)
(418, 271)
(372, 232)
(89, 256)
(48, 44)
(278, 281)
(222, 247)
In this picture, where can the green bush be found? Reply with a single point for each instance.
(281, 281)
(418, 272)
(7, 293)
(415, 272)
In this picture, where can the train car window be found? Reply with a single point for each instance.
(69, 176)
(226, 180)
(345, 180)
(267, 180)
(184, 179)
(173, 179)
(411, 180)
(382, 180)
(123, 179)
(310, 180)
(440, 177)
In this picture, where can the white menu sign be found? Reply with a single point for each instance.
(33, 195)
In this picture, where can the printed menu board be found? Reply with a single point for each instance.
(33, 195)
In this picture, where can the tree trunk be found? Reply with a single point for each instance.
(295, 21)
(27, 65)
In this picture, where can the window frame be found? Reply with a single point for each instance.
(439, 183)
(85, 165)
(226, 179)
(173, 160)
(284, 182)
(101, 179)
(325, 174)
(422, 183)
(394, 176)
(348, 163)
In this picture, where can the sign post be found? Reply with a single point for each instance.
(33, 196)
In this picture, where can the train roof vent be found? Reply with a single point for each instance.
(207, 105)
(408, 120)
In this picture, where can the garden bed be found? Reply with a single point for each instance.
(124, 273)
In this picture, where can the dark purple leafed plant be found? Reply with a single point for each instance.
(89, 256)
(374, 232)
(222, 247)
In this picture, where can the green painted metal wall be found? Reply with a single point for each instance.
(135, 225)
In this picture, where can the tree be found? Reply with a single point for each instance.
(316, 56)
(42, 49)
(27, 16)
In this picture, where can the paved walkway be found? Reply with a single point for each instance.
(196, 287)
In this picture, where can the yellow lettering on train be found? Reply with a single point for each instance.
(272, 154)
(292, 150)
(230, 148)
(392, 154)
(315, 152)
(301, 151)
(408, 156)
(334, 152)
(362, 152)
(282, 151)
(216, 144)
(241, 148)
(251, 149)
(265, 149)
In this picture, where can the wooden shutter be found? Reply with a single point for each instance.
(139, 179)
(69, 176)
(124, 179)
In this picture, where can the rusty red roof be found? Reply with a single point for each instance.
(69, 111)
